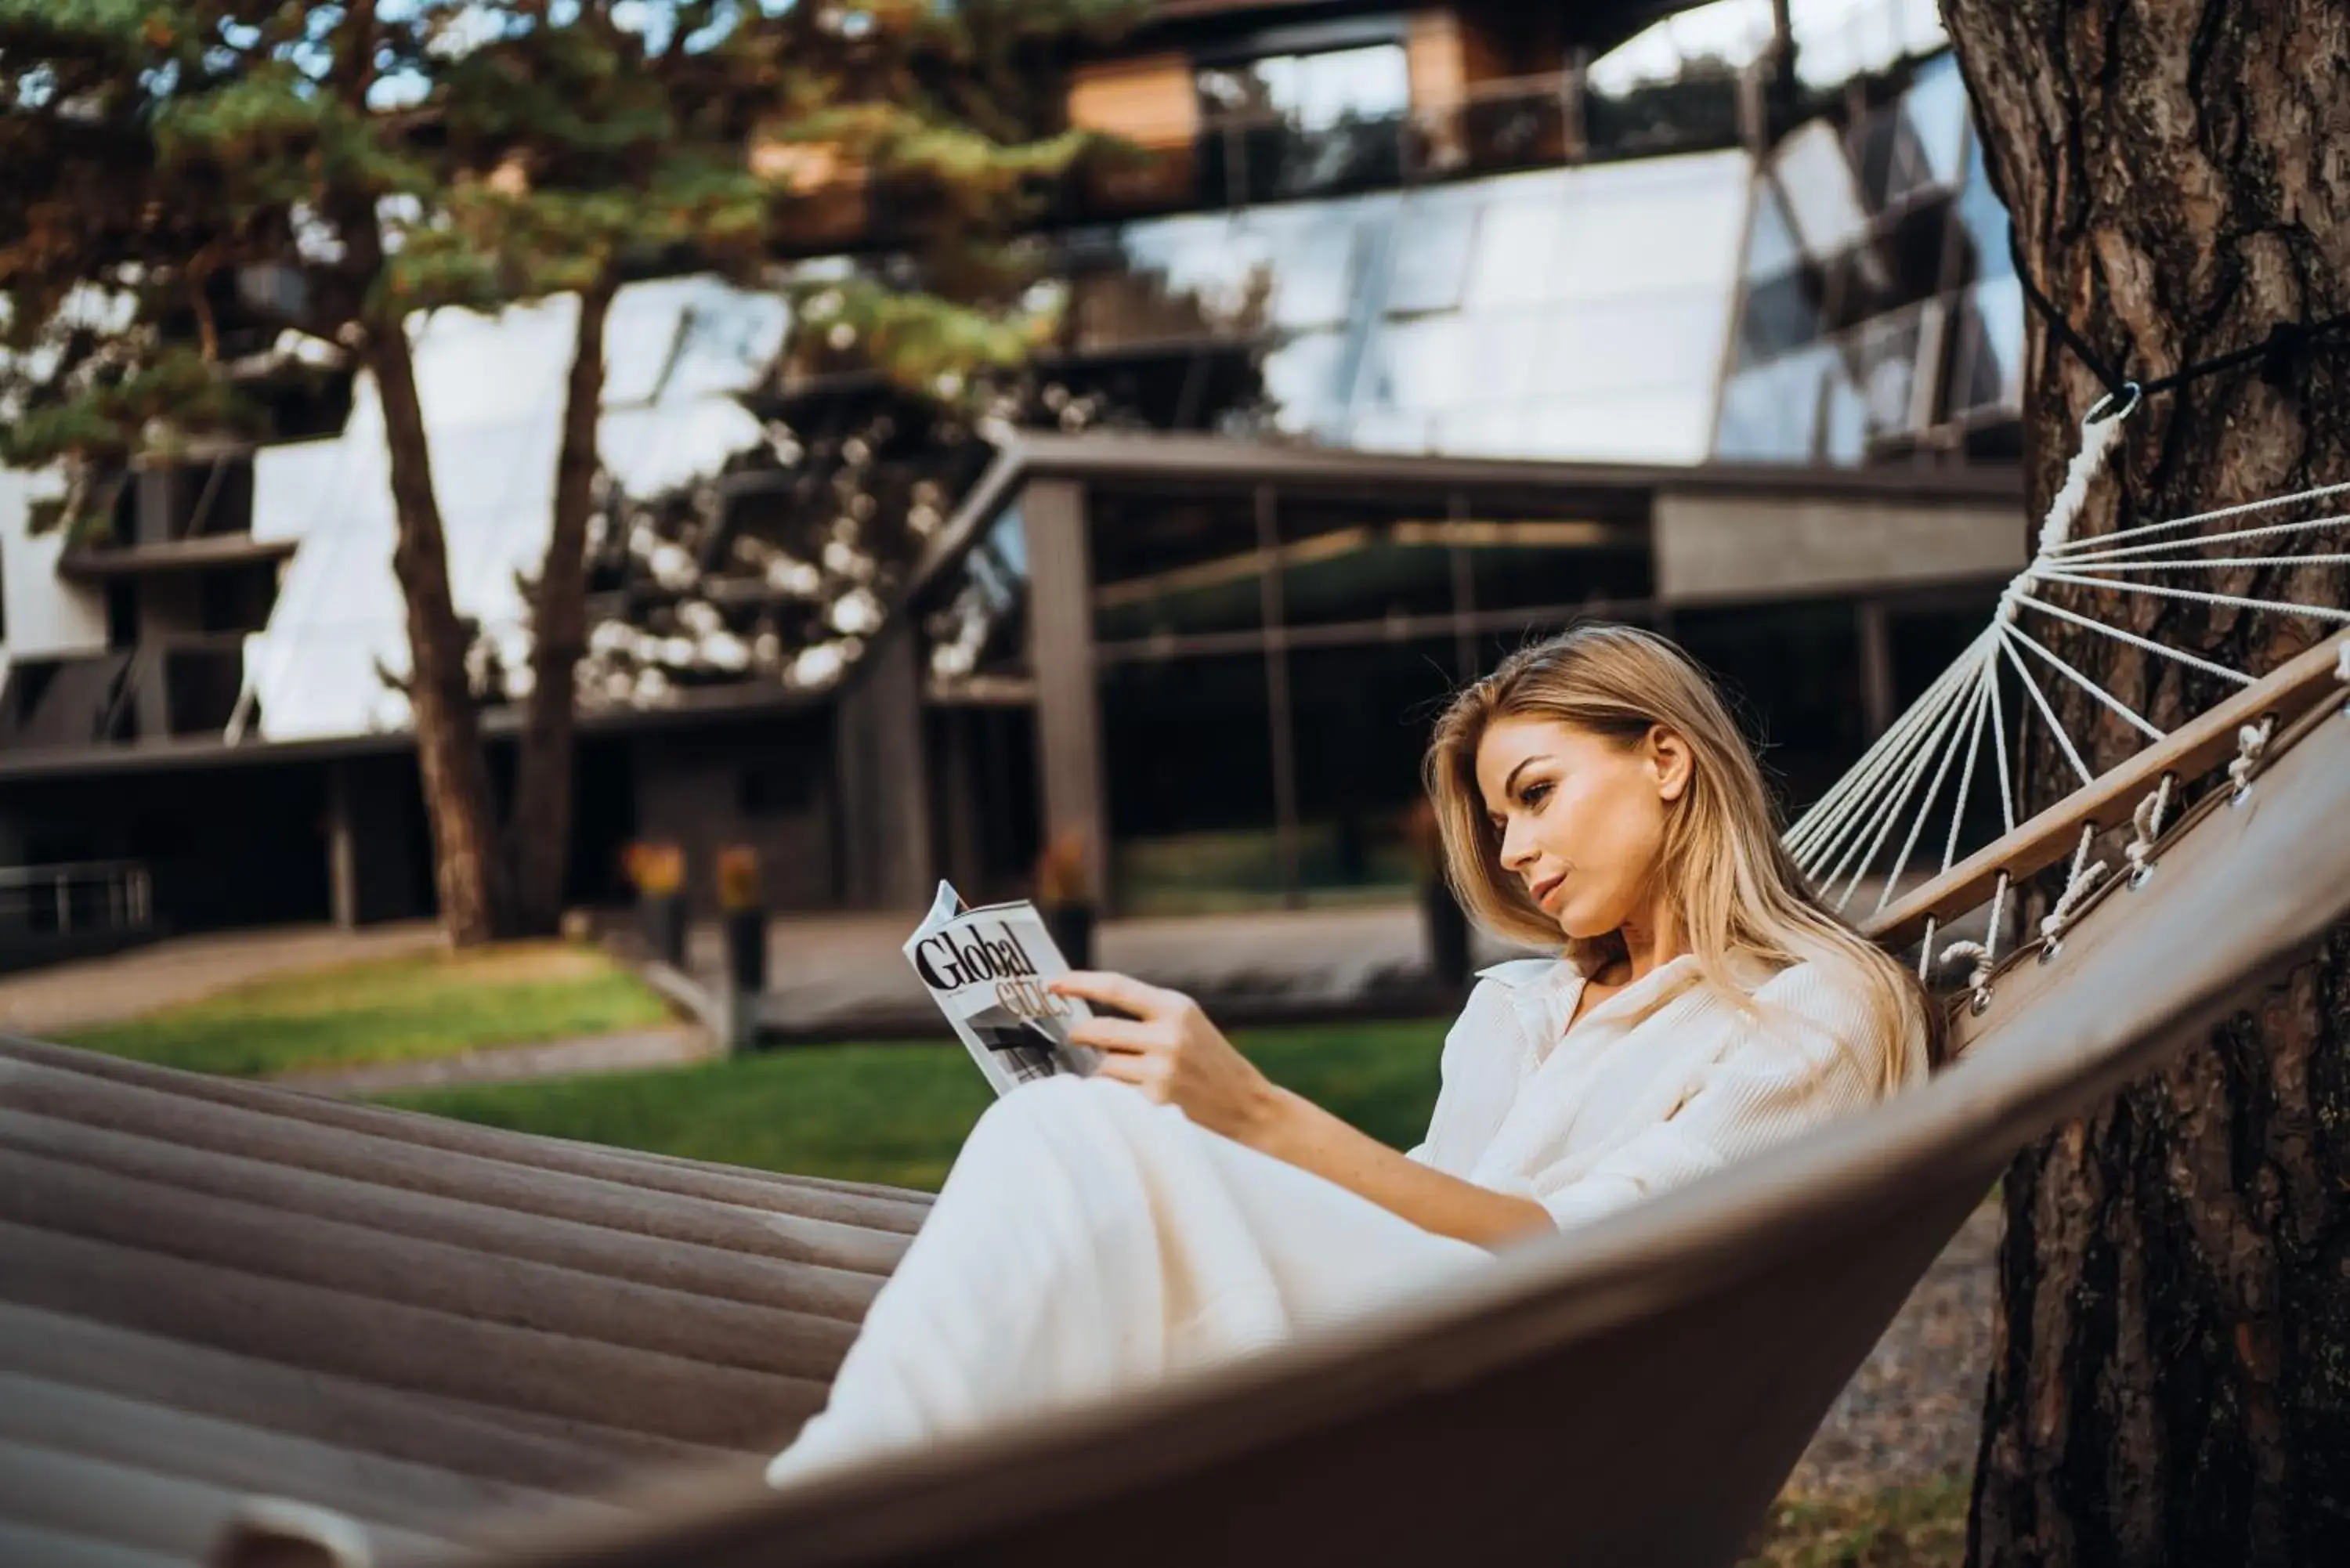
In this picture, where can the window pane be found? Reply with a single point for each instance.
(978, 622)
(1822, 196)
(1439, 228)
(1771, 414)
(1699, 109)
(1447, 361)
(1985, 221)
(1793, 673)
(1171, 564)
(1771, 245)
(1518, 241)
(1557, 561)
(1782, 314)
(1308, 253)
(1883, 356)
(1653, 226)
(1297, 125)
(1300, 378)
(1846, 424)
(1987, 363)
(1359, 561)
(1632, 342)
(1936, 108)
(1362, 716)
(1661, 425)
(1187, 751)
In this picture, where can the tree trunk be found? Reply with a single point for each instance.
(2172, 1381)
(540, 831)
(458, 801)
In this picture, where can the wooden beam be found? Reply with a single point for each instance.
(1068, 698)
(2286, 693)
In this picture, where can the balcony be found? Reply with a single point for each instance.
(1544, 120)
(183, 685)
(110, 563)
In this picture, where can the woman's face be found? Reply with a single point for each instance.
(1581, 817)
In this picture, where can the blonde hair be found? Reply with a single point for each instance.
(1742, 905)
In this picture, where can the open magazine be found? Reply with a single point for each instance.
(987, 969)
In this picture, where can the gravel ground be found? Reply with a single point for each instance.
(1912, 1414)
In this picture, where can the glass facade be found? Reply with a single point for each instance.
(1570, 314)
(1878, 312)
(978, 626)
(1793, 675)
(1271, 662)
(1280, 126)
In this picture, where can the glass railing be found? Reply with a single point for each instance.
(1524, 122)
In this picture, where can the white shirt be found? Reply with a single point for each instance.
(1659, 1084)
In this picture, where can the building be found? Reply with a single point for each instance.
(1429, 327)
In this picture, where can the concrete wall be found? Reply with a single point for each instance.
(1723, 547)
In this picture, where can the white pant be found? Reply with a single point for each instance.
(1087, 1242)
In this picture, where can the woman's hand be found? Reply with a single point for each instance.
(1170, 1052)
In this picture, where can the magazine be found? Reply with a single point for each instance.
(987, 969)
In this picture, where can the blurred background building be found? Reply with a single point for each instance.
(1424, 330)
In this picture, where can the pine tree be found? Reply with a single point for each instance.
(2172, 1383)
(395, 156)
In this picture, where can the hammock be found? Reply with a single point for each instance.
(428, 1341)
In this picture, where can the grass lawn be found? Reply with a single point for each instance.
(392, 1010)
(1917, 1527)
(897, 1113)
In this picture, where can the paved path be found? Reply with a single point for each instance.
(846, 972)
(622, 1053)
(188, 968)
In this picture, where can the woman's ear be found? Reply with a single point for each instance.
(1669, 755)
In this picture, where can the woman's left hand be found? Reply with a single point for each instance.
(1171, 1052)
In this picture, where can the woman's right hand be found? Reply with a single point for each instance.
(1172, 1052)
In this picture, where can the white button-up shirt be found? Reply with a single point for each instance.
(1655, 1086)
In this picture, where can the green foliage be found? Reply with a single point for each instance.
(474, 152)
(897, 1113)
(392, 1010)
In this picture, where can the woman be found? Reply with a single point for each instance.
(1593, 796)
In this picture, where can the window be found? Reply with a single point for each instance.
(1985, 221)
(1166, 565)
(1314, 92)
(1187, 750)
(978, 625)
(1294, 125)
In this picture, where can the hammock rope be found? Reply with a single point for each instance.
(1872, 827)
(2146, 824)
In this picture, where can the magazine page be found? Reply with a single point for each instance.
(987, 969)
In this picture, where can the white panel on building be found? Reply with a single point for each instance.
(1728, 547)
(493, 391)
(45, 616)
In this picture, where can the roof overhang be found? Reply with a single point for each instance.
(1215, 462)
(1596, 24)
(1177, 460)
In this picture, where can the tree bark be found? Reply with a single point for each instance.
(540, 830)
(2172, 1376)
(458, 801)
